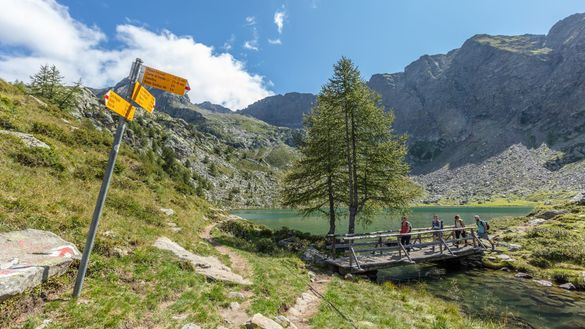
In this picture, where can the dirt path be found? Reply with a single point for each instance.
(307, 304)
(238, 263)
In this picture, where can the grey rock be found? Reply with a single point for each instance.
(167, 211)
(285, 322)
(544, 283)
(536, 221)
(282, 110)
(514, 247)
(505, 269)
(208, 266)
(550, 214)
(366, 324)
(236, 295)
(522, 275)
(234, 306)
(260, 321)
(31, 257)
(579, 199)
(313, 255)
(28, 139)
(44, 324)
(505, 258)
(567, 286)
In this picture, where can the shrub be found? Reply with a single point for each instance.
(38, 157)
(51, 130)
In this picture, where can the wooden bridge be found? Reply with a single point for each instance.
(361, 253)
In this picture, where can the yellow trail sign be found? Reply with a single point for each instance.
(143, 98)
(119, 105)
(164, 81)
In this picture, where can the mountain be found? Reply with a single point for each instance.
(493, 95)
(282, 110)
(214, 107)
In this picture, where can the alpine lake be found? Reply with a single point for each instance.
(480, 293)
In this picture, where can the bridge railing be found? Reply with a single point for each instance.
(381, 243)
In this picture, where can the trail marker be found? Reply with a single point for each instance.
(143, 98)
(124, 108)
(164, 81)
(119, 105)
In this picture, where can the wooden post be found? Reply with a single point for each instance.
(399, 249)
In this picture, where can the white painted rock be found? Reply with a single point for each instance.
(544, 283)
(167, 211)
(30, 257)
(208, 266)
(260, 321)
(28, 139)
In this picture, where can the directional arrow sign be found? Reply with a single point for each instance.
(119, 105)
(164, 81)
(143, 98)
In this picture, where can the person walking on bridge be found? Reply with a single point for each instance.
(405, 229)
(437, 225)
(482, 230)
(460, 232)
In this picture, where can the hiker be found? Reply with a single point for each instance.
(460, 230)
(405, 228)
(482, 230)
(437, 224)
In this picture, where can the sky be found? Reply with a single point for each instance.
(236, 52)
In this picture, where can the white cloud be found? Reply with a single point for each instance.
(251, 45)
(276, 41)
(279, 16)
(49, 35)
(250, 20)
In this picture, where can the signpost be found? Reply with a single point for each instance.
(164, 81)
(124, 108)
(143, 98)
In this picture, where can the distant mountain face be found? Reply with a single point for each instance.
(494, 92)
(214, 107)
(282, 110)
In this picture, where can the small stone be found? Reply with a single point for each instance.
(567, 286)
(234, 306)
(348, 276)
(167, 211)
(44, 324)
(522, 275)
(190, 326)
(180, 317)
(260, 321)
(505, 269)
(514, 247)
(536, 221)
(544, 283)
(285, 322)
(236, 295)
(505, 258)
(120, 252)
(492, 258)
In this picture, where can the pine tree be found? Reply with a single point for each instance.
(315, 180)
(48, 83)
(350, 144)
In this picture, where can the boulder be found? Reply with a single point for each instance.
(544, 283)
(28, 139)
(260, 321)
(505, 269)
(167, 211)
(313, 255)
(579, 199)
(550, 214)
(567, 286)
(522, 275)
(234, 306)
(30, 257)
(285, 322)
(208, 266)
(505, 258)
(536, 221)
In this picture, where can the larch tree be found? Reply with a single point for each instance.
(367, 160)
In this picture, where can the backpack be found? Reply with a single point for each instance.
(486, 225)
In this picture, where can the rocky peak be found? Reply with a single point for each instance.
(569, 32)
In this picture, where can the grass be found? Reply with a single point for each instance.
(554, 250)
(389, 306)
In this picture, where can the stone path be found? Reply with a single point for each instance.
(308, 303)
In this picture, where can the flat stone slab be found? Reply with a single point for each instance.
(28, 139)
(208, 266)
(30, 257)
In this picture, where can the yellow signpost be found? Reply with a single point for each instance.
(119, 105)
(143, 98)
(164, 81)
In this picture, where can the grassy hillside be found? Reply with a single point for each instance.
(130, 284)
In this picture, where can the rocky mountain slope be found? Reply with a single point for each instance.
(235, 160)
(282, 110)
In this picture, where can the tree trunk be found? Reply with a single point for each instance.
(331, 206)
(351, 227)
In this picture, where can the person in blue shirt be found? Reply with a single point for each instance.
(482, 230)
(437, 224)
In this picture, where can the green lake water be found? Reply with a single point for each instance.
(481, 293)
(419, 217)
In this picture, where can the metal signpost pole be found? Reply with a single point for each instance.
(105, 185)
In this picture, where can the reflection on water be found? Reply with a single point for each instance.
(419, 217)
(498, 295)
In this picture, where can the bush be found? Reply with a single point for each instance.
(39, 157)
(51, 130)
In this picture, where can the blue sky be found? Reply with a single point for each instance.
(380, 36)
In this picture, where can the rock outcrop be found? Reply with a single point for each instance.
(30, 257)
(282, 110)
